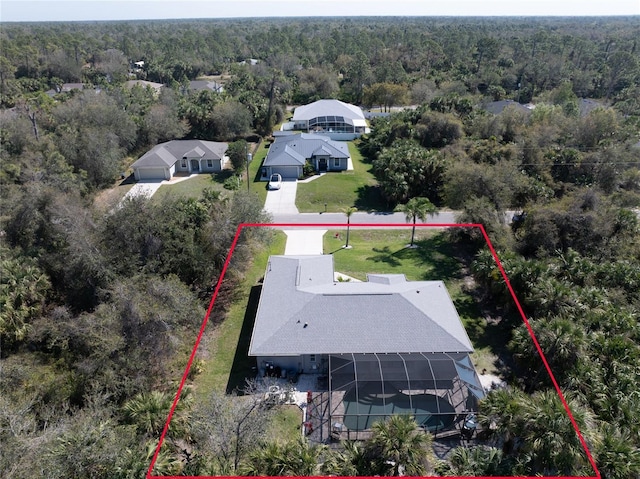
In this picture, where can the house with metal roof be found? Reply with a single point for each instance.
(333, 118)
(385, 345)
(288, 154)
(163, 161)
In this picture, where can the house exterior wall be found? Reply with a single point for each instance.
(341, 136)
(307, 363)
(215, 165)
(342, 164)
(182, 165)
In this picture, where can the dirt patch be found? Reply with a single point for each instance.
(108, 199)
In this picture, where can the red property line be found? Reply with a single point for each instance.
(193, 352)
(241, 226)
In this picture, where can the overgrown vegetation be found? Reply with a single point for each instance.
(100, 304)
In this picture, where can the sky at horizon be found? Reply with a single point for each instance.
(102, 10)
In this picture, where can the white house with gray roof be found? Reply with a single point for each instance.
(334, 118)
(180, 156)
(288, 154)
(385, 333)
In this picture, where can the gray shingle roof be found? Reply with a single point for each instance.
(303, 310)
(166, 154)
(297, 149)
(211, 85)
(497, 107)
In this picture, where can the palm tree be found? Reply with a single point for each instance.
(400, 441)
(549, 437)
(501, 413)
(149, 412)
(475, 461)
(295, 458)
(355, 458)
(416, 208)
(617, 455)
(349, 211)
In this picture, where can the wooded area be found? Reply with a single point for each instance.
(99, 308)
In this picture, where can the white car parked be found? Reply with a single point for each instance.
(275, 182)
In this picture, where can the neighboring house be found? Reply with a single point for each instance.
(180, 156)
(386, 333)
(586, 105)
(289, 152)
(497, 107)
(156, 87)
(334, 118)
(211, 85)
(65, 88)
(249, 61)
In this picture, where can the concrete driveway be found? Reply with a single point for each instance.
(148, 188)
(145, 188)
(304, 241)
(282, 201)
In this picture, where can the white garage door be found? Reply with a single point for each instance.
(289, 172)
(151, 174)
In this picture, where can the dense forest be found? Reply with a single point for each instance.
(92, 298)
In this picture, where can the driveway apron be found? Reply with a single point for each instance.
(304, 241)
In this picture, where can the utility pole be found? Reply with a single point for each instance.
(248, 157)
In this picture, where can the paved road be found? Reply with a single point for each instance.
(443, 217)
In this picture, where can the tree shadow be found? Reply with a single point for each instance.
(243, 365)
(129, 180)
(370, 199)
(384, 256)
(437, 252)
(221, 176)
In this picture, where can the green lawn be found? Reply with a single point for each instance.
(342, 189)
(384, 251)
(192, 188)
(257, 186)
(286, 423)
(227, 363)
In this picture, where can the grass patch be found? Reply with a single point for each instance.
(385, 251)
(227, 341)
(257, 186)
(191, 188)
(286, 423)
(339, 190)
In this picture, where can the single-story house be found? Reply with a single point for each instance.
(288, 154)
(497, 107)
(338, 120)
(65, 88)
(386, 341)
(587, 105)
(180, 156)
(156, 87)
(210, 85)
